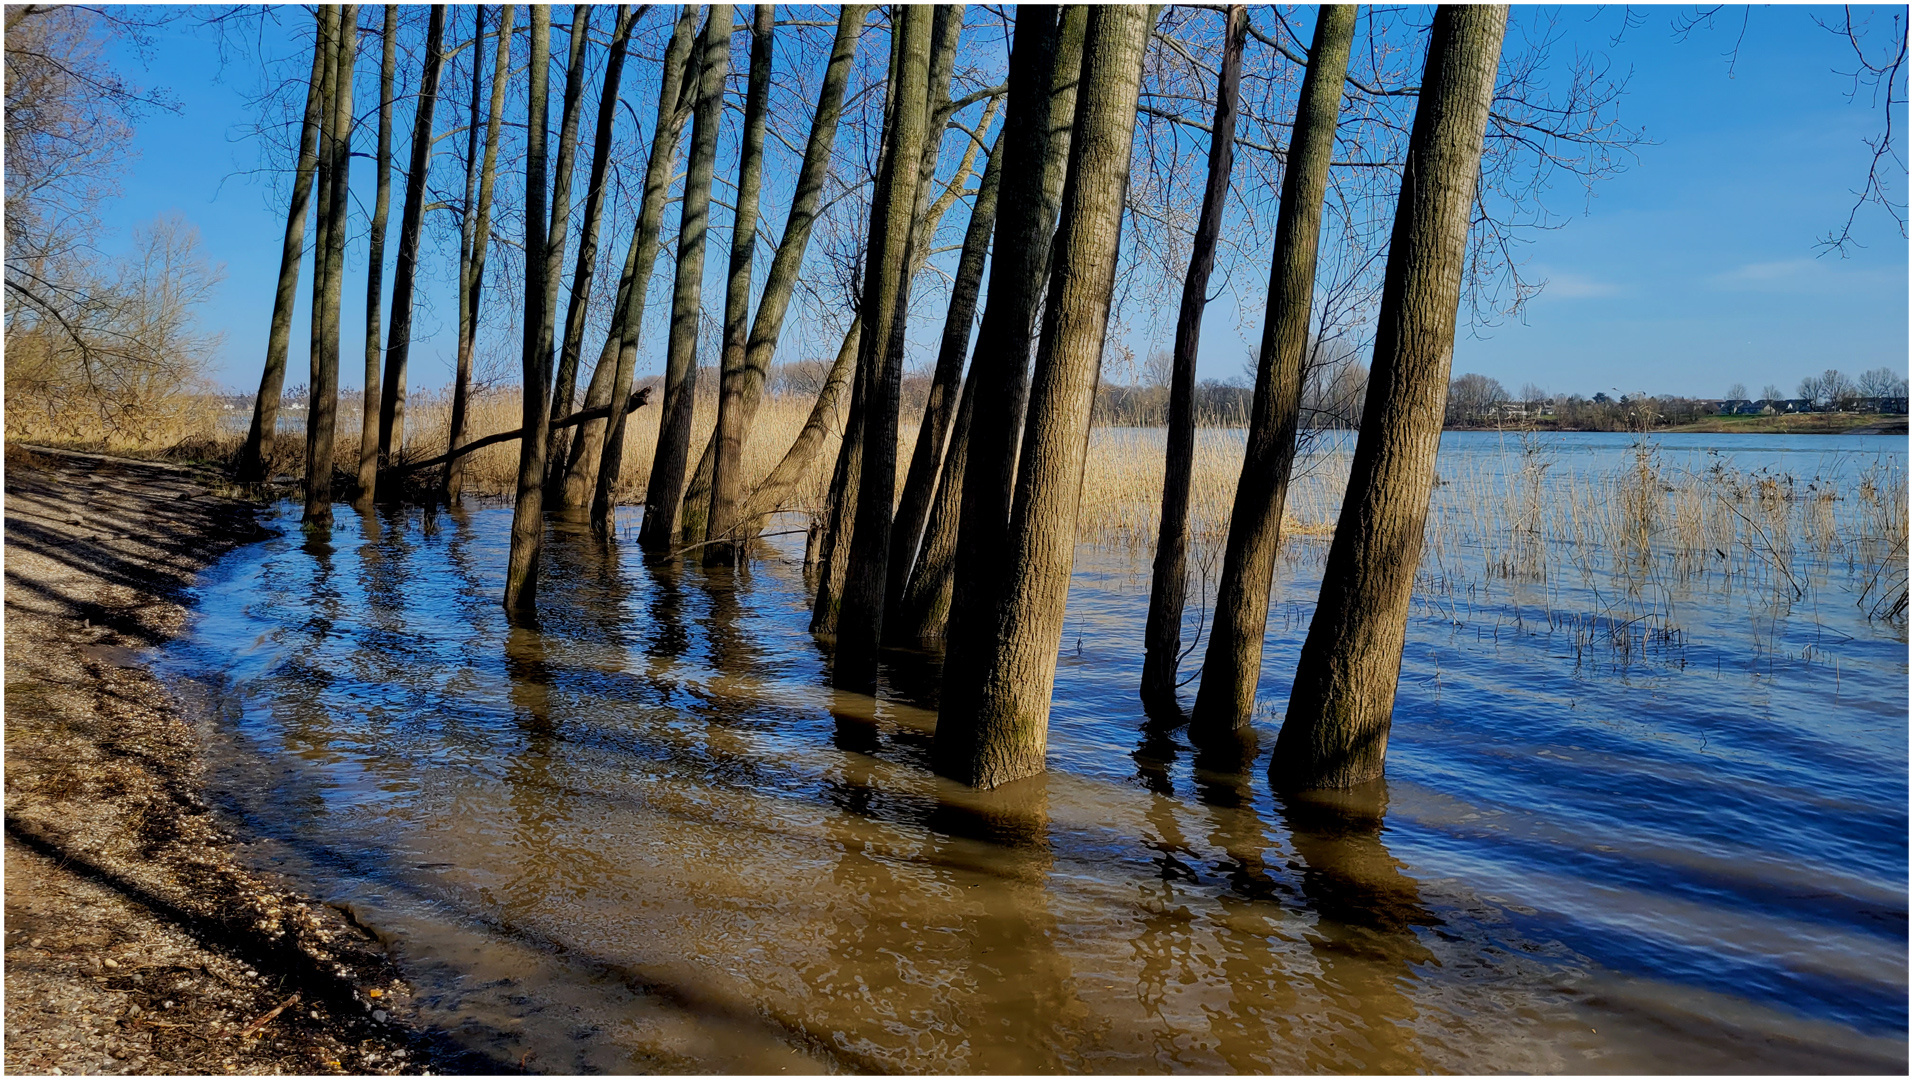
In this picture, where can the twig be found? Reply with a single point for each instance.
(253, 1028)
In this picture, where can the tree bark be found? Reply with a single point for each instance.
(774, 493)
(558, 234)
(472, 273)
(677, 96)
(779, 284)
(923, 611)
(322, 411)
(939, 411)
(398, 344)
(254, 456)
(1169, 586)
(1045, 67)
(998, 731)
(583, 272)
(1233, 663)
(1336, 731)
(528, 518)
(666, 487)
(885, 303)
(728, 435)
(375, 264)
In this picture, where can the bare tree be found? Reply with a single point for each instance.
(1233, 663)
(1336, 731)
(527, 520)
(265, 409)
(375, 262)
(996, 729)
(665, 489)
(398, 344)
(1169, 584)
(323, 412)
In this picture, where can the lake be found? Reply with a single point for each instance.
(1645, 811)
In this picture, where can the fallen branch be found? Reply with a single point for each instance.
(602, 412)
(253, 1028)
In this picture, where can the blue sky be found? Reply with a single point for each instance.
(1693, 269)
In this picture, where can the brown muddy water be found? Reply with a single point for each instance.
(1641, 814)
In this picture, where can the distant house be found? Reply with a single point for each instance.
(1892, 405)
(1739, 407)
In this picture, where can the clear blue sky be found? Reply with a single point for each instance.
(1693, 269)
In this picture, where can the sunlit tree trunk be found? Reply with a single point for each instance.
(726, 495)
(774, 493)
(677, 97)
(1169, 586)
(1336, 732)
(1233, 662)
(926, 458)
(583, 271)
(721, 547)
(253, 457)
(999, 730)
(472, 273)
(1045, 67)
(322, 411)
(558, 234)
(666, 486)
(398, 344)
(375, 264)
(886, 300)
(528, 520)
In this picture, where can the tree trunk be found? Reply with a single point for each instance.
(472, 276)
(557, 235)
(677, 96)
(1045, 67)
(998, 730)
(728, 435)
(1162, 630)
(1336, 732)
(885, 307)
(939, 411)
(322, 411)
(773, 494)
(583, 272)
(1233, 663)
(774, 301)
(254, 456)
(398, 344)
(923, 610)
(375, 264)
(528, 517)
(666, 487)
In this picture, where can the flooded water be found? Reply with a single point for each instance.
(647, 836)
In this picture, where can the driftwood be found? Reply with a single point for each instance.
(602, 412)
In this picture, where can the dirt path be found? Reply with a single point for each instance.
(135, 940)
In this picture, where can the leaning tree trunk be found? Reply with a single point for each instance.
(472, 273)
(721, 466)
(254, 455)
(528, 516)
(1233, 662)
(557, 235)
(597, 464)
(1162, 630)
(923, 609)
(1336, 732)
(1044, 71)
(665, 489)
(322, 411)
(939, 411)
(375, 265)
(398, 344)
(721, 546)
(869, 503)
(775, 492)
(583, 272)
(999, 730)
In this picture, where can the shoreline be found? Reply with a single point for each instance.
(138, 941)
